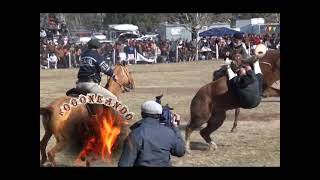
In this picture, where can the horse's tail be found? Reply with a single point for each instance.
(46, 113)
(43, 110)
(46, 116)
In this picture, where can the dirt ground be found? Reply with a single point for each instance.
(255, 143)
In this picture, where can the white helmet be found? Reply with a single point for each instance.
(260, 50)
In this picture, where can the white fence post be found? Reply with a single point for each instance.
(177, 55)
(249, 49)
(197, 46)
(48, 62)
(135, 56)
(69, 55)
(217, 51)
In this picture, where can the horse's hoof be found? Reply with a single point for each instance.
(80, 163)
(233, 130)
(213, 146)
(87, 163)
(48, 164)
(42, 161)
(188, 150)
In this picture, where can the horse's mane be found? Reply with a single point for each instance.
(107, 85)
(109, 78)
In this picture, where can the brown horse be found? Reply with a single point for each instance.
(211, 102)
(270, 67)
(62, 126)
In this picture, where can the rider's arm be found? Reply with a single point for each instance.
(104, 67)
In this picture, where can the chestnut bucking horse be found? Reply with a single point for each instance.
(62, 126)
(211, 102)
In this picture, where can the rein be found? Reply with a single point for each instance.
(123, 88)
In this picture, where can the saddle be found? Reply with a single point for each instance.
(74, 92)
(92, 108)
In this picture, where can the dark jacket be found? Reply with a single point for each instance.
(246, 90)
(91, 64)
(151, 144)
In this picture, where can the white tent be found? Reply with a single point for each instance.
(124, 27)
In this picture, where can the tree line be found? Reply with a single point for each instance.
(149, 22)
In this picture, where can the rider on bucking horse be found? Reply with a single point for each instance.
(244, 83)
(91, 64)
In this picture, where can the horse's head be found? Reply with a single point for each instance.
(270, 67)
(124, 77)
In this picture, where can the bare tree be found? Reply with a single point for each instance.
(195, 21)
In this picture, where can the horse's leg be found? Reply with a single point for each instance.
(61, 143)
(43, 144)
(235, 123)
(216, 120)
(81, 160)
(194, 124)
(189, 130)
(92, 139)
(46, 119)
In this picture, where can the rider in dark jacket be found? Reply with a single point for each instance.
(91, 64)
(246, 85)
